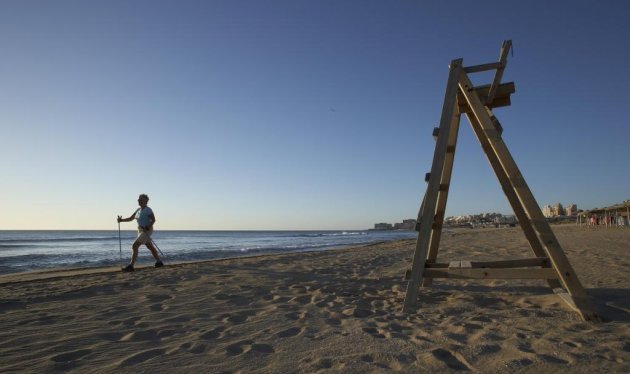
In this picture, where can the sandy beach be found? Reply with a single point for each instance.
(333, 311)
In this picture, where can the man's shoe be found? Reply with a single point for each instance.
(128, 269)
(159, 264)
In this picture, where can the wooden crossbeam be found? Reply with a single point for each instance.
(483, 67)
(516, 263)
(492, 273)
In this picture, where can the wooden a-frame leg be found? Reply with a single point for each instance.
(508, 189)
(428, 213)
(577, 297)
(445, 182)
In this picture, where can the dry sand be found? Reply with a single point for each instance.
(336, 311)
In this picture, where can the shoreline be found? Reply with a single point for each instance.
(325, 311)
(56, 250)
(61, 272)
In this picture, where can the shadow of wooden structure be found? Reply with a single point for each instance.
(550, 262)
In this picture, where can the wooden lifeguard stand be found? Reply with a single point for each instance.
(550, 262)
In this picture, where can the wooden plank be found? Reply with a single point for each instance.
(501, 98)
(453, 273)
(426, 222)
(505, 48)
(552, 248)
(480, 68)
(454, 265)
(431, 265)
(516, 263)
(502, 91)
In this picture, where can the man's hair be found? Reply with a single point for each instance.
(143, 196)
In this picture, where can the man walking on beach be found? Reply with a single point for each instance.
(145, 218)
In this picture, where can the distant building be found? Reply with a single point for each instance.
(505, 220)
(407, 224)
(571, 210)
(553, 210)
(383, 226)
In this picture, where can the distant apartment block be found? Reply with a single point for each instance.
(481, 219)
(558, 210)
(383, 226)
(407, 224)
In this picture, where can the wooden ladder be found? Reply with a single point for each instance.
(550, 262)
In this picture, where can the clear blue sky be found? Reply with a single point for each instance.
(296, 114)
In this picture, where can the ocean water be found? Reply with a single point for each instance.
(34, 250)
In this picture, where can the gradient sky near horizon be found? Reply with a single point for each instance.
(297, 114)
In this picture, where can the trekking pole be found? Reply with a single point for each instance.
(159, 250)
(120, 243)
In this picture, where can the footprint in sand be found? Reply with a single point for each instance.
(367, 358)
(525, 347)
(248, 346)
(323, 363)
(293, 331)
(237, 300)
(71, 356)
(303, 300)
(376, 333)
(449, 359)
(141, 357)
(552, 359)
(111, 336)
(239, 317)
(198, 348)
(130, 322)
(213, 334)
(166, 333)
(157, 298)
(298, 289)
(157, 307)
(141, 335)
(177, 319)
(295, 316)
(485, 349)
(516, 365)
(113, 312)
(357, 312)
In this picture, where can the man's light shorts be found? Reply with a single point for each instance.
(144, 237)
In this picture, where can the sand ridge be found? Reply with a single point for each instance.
(334, 311)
